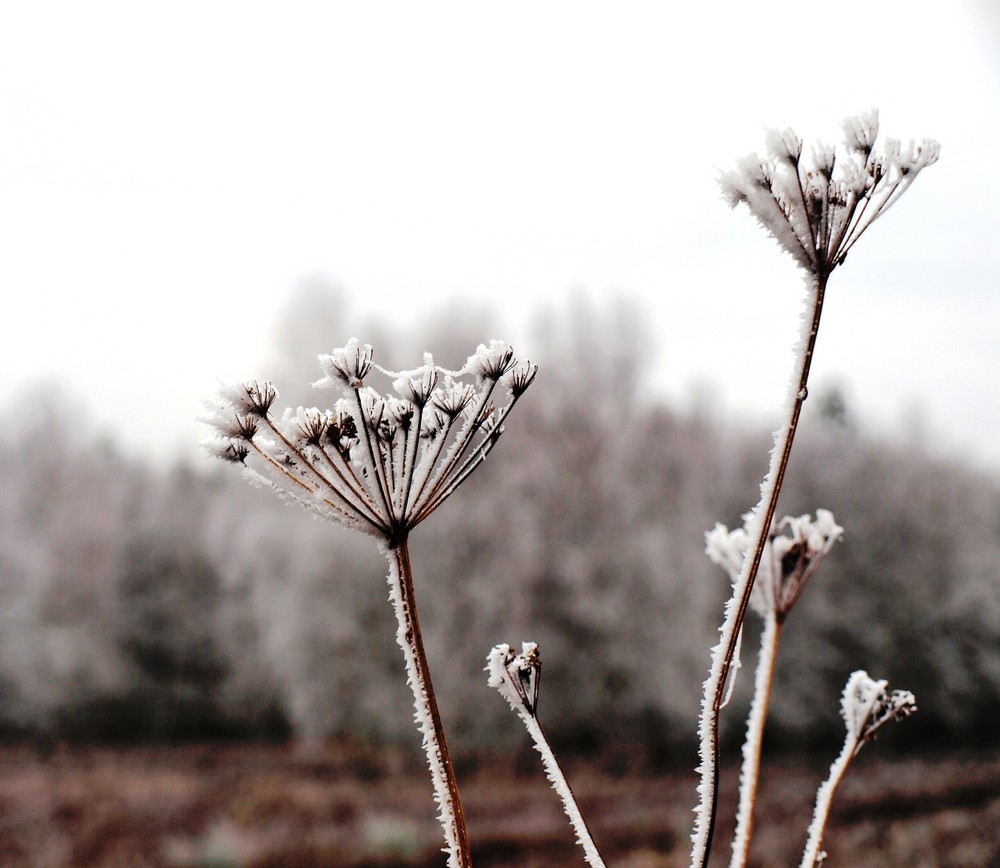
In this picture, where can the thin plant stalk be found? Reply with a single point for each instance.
(750, 770)
(866, 706)
(735, 610)
(559, 783)
(517, 677)
(824, 798)
(418, 676)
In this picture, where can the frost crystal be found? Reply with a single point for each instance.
(816, 208)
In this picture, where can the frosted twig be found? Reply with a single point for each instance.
(426, 713)
(865, 706)
(516, 676)
(750, 769)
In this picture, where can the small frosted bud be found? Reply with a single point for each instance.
(784, 145)
(417, 385)
(516, 676)
(490, 362)
(250, 398)
(228, 450)
(346, 366)
(520, 377)
(453, 397)
(860, 131)
(866, 705)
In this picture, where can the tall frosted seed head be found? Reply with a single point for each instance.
(817, 207)
(380, 463)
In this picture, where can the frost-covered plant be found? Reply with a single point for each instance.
(816, 203)
(381, 464)
(795, 548)
(866, 706)
(517, 677)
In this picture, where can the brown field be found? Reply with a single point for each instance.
(255, 805)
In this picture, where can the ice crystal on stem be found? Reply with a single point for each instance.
(381, 464)
(816, 205)
(516, 676)
(866, 706)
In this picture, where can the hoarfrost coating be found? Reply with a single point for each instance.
(378, 463)
(816, 206)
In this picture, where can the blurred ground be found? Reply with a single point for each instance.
(261, 805)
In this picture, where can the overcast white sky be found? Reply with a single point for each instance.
(170, 172)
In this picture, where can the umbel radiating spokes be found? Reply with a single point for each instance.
(817, 204)
(379, 463)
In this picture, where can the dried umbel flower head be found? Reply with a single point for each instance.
(795, 548)
(817, 202)
(866, 706)
(379, 463)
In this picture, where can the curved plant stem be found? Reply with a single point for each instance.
(735, 611)
(428, 719)
(824, 797)
(750, 771)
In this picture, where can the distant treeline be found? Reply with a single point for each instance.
(146, 603)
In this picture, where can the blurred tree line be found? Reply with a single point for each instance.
(146, 603)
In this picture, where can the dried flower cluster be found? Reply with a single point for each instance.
(795, 548)
(817, 204)
(376, 463)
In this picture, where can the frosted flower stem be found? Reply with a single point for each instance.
(750, 770)
(426, 714)
(562, 787)
(735, 610)
(516, 676)
(866, 706)
(824, 798)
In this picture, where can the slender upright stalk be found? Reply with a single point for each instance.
(559, 783)
(517, 678)
(750, 770)
(418, 676)
(736, 607)
(824, 798)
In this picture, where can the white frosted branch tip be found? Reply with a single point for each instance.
(516, 676)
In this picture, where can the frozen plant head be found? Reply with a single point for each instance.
(798, 545)
(376, 462)
(795, 548)
(816, 202)
(516, 675)
(867, 705)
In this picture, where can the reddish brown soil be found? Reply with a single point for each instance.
(273, 806)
